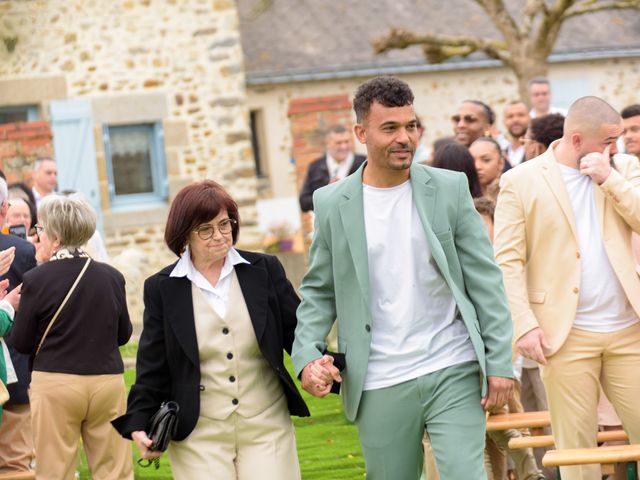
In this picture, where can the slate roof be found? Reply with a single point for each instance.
(315, 39)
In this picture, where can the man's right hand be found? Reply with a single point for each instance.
(318, 376)
(534, 345)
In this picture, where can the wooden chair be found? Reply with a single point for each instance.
(30, 475)
(602, 455)
(547, 440)
(506, 421)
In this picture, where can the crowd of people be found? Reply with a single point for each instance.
(501, 276)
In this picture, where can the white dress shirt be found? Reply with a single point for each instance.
(217, 295)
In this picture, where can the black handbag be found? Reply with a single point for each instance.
(161, 429)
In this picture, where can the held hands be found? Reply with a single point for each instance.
(597, 165)
(144, 445)
(534, 345)
(499, 391)
(318, 376)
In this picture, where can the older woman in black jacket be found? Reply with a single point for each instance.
(216, 323)
(77, 386)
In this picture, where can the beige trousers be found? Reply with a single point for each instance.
(16, 441)
(66, 407)
(239, 448)
(572, 378)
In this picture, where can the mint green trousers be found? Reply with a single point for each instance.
(391, 422)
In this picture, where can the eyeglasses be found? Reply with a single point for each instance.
(206, 231)
(466, 118)
(39, 229)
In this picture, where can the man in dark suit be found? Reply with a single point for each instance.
(337, 163)
(16, 444)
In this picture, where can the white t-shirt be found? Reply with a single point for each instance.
(415, 328)
(602, 304)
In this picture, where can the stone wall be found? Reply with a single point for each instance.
(129, 57)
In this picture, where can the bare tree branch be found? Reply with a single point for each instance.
(400, 38)
(546, 35)
(592, 6)
(501, 19)
(531, 10)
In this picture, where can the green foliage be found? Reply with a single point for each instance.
(328, 445)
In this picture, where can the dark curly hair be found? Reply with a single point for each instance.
(547, 128)
(387, 91)
(630, 111)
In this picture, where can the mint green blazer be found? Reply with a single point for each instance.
(336, 284)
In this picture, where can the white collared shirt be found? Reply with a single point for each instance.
(217, 295)
(338, 171)
(552, 109)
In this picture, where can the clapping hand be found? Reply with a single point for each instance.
(6, 259)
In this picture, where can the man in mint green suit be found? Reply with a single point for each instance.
(403, 262)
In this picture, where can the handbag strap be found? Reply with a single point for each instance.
(55, 316)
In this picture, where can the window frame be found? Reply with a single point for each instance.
(32, 111)
(158, 162)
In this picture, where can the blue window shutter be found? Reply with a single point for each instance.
(75, 151)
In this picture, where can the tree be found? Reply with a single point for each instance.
(526, 42)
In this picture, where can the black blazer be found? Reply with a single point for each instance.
(318, 176)
(168, 367)
(24, 261)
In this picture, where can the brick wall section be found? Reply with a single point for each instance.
(309, 119)
(22, 143)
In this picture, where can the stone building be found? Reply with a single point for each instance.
(296, 50)
(134, 99)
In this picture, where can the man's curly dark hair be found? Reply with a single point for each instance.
(387, 91)
(547, 128)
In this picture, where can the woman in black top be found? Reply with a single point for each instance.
(77, 386)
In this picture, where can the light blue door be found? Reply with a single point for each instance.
(75, 151)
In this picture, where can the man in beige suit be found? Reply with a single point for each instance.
(563, 240)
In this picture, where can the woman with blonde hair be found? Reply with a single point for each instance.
(72, 318)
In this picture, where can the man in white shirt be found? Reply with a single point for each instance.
(45, 178)
(338, 162)
(516, 121)
(540, 98)
(563, 226)
(403, 261)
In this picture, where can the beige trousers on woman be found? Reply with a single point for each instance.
(238, 448)
(66, 407)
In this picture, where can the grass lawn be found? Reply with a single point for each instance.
(328, 446)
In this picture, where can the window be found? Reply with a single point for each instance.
(136, 164)
(27, 113)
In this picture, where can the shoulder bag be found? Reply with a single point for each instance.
(55, 316)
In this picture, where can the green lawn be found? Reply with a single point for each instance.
(328, 446)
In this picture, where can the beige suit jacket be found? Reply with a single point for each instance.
(536, 244)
